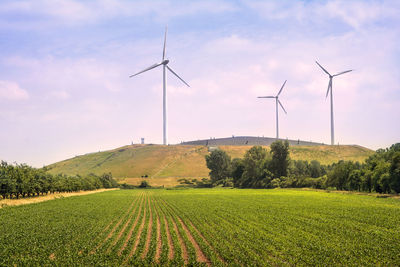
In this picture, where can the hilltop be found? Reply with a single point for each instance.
(247, 141)
(164, 165)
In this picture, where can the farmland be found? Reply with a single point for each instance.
(203, 226)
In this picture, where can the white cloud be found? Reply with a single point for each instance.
(359, 13)
(12, 91)
(60, 94)
(230, 44)
(354, 13)
(73, 12)
(51, 117)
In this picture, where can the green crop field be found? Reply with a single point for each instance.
(164, 165)
(203, 227)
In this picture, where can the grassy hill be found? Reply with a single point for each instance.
(164, 165)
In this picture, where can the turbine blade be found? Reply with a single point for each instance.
(343, 72)
(282, 106)
(165, 43)
(281, 88)
(329, 87)
(177, 75)
(323, 68)
(266, 97)
(149, 68)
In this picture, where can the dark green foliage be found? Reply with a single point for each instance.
(381, 171)
(299, 182)
(354, 180)
(21, 180)
(280, 158)
(315, 169)
(255, 169)
(188, 182)
(259, 169)
(219, 163)
(227, 182)
(237, 171)
(126, 186)
(395, 172)
(301, 168)
(203, 183)
(339, 176)
(108, 181)
(144, 184)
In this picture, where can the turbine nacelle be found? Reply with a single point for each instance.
(165, 62)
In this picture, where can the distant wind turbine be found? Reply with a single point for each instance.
(327, 92)
(164, 62)
(276, 103)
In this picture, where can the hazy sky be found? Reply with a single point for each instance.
(64, 86)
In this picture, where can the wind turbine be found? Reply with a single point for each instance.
(164, 62)
(327, 92)
(276, 103)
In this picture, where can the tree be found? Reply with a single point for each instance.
(255, 172)
(380, 177)
(107, 180)
(354, 180)
(144, 184)
(343, 175)
(366, 181)
(299, 168)
(395, 172)
(237, 171)
(280, 158)
(315, 169)
(336, 177)
(7, 184)
(219, 163)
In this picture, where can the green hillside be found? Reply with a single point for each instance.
(165, 164)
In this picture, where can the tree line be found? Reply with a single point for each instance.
(21, 180)
(262, 169)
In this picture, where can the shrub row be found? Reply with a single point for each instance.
(21, 180)
(259, 169)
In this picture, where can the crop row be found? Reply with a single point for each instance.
(150, 232)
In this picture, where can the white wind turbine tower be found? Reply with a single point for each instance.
(276, 103)
(327, 92)
(164, 63)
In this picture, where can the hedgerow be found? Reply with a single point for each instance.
(21, 180)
